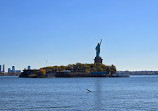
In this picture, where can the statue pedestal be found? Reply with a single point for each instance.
(98, 60)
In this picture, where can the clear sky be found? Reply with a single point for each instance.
(61, 32)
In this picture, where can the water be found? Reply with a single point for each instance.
(137, 93)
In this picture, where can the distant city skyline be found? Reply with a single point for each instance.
(42, 33)
(13, 70)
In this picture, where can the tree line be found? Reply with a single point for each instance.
(79, 67)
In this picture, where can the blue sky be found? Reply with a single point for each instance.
(60, 32)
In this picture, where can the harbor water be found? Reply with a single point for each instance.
(136, 93)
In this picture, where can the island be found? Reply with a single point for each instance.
(71, 70)
(96, 69)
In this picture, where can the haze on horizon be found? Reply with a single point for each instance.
(43, 33)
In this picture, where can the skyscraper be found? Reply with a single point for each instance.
(13, 69)
(3, 67)
(29, 67)
(0, 69)
(9, 70)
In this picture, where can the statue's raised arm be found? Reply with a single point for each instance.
(100, 42)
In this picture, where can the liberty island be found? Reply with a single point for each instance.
(96, 69)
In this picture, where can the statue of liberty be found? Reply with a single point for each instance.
(98, 49)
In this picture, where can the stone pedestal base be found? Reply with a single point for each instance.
(98, 60)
